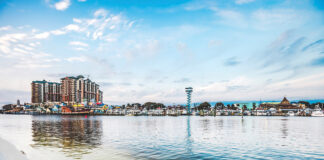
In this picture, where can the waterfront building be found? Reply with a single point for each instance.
(78, 90)
(283, 106)
(286, 106)
(44, 91)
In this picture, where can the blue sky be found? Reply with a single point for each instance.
(150, 50)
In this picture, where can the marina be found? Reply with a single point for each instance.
(283, 108)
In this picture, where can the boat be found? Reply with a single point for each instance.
(317, 113)
(290, 113)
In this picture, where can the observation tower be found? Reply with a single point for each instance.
(189, 91)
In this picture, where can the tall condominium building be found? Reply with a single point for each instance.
(78, 89)
(43, 91)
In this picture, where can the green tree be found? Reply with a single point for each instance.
(153, 105)
(219, 105)
(233, 107)
(254, 106)
(305, 103)
(204, 106)
(244, 107)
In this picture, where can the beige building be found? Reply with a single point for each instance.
(78, 89)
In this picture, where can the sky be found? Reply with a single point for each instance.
(150, 50)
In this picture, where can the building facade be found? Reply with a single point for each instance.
(283, 106)
(44, 91)
(78, 89)
(70, 90)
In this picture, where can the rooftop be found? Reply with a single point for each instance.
(44, 81)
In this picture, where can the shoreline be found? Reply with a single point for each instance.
(125, 115)
(9, 152)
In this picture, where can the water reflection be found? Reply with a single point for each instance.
(102, 137)
(188, 137)
(284, 128)
(73, 135)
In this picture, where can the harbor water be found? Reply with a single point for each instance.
(183, 137)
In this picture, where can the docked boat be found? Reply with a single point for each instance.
(290, 113)
(317, 113)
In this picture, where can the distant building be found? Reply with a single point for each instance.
(284, 105)
(78, 89)
(43, 91)
(70, 90)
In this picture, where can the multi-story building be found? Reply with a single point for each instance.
(78, 89)
(43, 91)
(71, 89)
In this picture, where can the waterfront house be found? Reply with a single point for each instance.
(284, 106)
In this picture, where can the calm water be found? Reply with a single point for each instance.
(104, 137)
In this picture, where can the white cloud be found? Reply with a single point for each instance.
(224, 90)
(224, 85)
(79, 46)
(101, 25)
(58, 32)
(110, 38)
(72, 27)
(62, 5)
(25, 47)
(4, 49)
(131, 24)
(243, 1)
(14, 37)
(82, 0)
(100, 12)
(98, 27)
(78, 43)
(312, 81)
(43, 35)
(6, 41)
(77, 20)
(232, 18)
(144, 48)
(198, 5)
(265, 19)
(34, 44)
(20, 50)
(80, 49)
(76, 59)
(5, 28)
(184, 49)
(34, 30)
(97, 34)
(31, 65)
